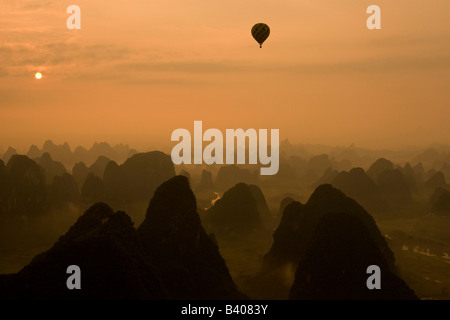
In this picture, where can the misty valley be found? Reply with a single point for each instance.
(140, 227)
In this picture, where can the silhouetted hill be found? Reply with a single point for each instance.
(51, 168)
(114, 183)
(64, 190)
(188, 261)
(445, 169)
(394, 189)
(8, 154)
(288, 238)
(206, 182)
(328, 176)
(26, 195)
(419, 170)
(236, 212)
(64, 154)
(412, 179)
(143, 173)
(2, 167)
(80, 172)
(261, 203)
(436, 180)
(103, 149)
(428, 157)
(300, 221)
(283, 204)
(98, 167)
(228, 176)
(80, 154)
(430, 173)
(186, 174)
(93, 190)
(5, 189)
(378, 167)
(61, 153)
(34, 152)
(359, 186)
(442, 205)
(316, 167)
(106, 247)
(335, 262)
(135, 180)
(436, 195)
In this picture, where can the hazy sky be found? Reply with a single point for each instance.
(137, 70)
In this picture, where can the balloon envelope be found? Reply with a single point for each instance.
(260, 32)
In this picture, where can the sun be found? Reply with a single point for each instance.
(38, 75)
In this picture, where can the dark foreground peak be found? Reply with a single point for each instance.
(336, 260)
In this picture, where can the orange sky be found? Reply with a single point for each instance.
(137, 70)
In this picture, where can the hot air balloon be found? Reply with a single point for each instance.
(260, 32)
